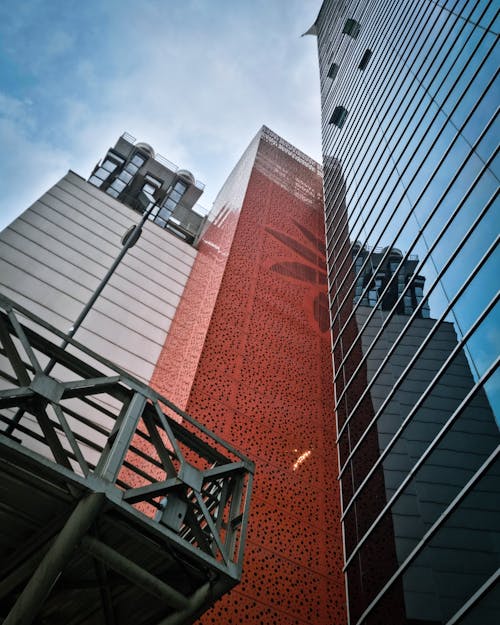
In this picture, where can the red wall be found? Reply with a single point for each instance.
(263, 381)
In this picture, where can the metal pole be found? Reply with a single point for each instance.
(197, 599)
(129, 241)
(135, 573)
(36, 590)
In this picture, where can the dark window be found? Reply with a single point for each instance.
(351, 28)
(364, 59)
(339, 116)
(333, 71)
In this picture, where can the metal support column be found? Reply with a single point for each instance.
(135, 573)
(195, 602)
(36, 590)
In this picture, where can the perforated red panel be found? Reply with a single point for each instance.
(263, 381)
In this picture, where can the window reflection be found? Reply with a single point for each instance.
(412, 221)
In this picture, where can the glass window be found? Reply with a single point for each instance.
(109, 165)
(333, 71)
(364, 59)
(125, 176)
(131, 168)
(165, 213)
(112, 192)
(95, 181)
(102, 173)
(175, 195)
(372, 297)
(154, 212)
(170, 204)
(339, 116)
(149, 189)
(180, 187)
(351, 28)
(118, 184)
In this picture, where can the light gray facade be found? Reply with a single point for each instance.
(54, 255)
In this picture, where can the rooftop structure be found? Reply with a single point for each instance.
(132, 173)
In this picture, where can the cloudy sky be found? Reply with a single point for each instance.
(196, 79)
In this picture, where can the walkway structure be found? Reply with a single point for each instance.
(115, 506)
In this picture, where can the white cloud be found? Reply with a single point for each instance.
(28, 165)
(195, 80)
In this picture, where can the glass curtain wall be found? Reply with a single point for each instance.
(410, 129)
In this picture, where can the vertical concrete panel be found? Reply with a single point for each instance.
(55, 254)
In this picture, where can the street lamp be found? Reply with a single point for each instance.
(129, 239)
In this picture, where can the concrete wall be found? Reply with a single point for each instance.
(54, 255)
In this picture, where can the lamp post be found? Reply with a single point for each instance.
(129, 239)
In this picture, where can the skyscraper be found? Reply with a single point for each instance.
(409, 129)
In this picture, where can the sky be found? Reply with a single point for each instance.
(196, 79)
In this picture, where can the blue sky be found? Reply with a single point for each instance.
(195, 79)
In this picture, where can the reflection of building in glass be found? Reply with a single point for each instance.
(410, 181)
(384, 288)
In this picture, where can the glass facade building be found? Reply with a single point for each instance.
(409, 97)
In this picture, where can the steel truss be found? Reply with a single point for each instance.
(116, 506)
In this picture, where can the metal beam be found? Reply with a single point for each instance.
(150, 491)
(11, 397)
(196, 600)
(89, 386)
(159, 445)
(19, 331)
(212, 527)
(105, 591)
(13, 356)
(135, 573)
(224, 470)
(25, 568)
(121, 443)
(36, 590)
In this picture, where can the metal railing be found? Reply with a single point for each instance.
(96, 423)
